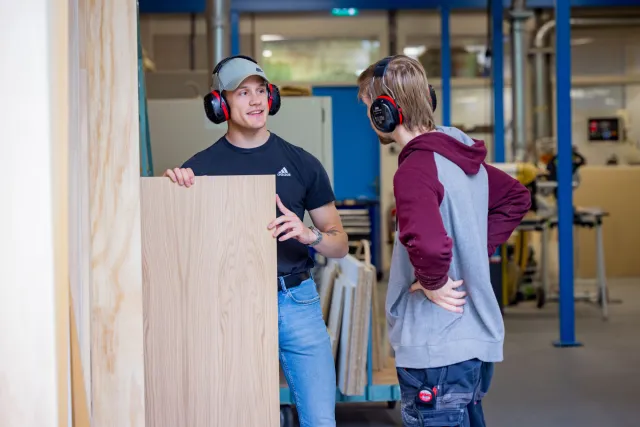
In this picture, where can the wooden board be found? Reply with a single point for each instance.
(358, 377)
(59, 92)
(117, 362)
(344, 348)
(388, 375)
(211, 321)
(358, 279)
(80, 408)
(34, 287)
(327, 281)
(379, 333)
(80, 231)
(334, 324)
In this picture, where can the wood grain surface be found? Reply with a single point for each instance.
(34, 285)
(117, 357)
(210, 298)
(79, 231)
(60, 109)
(80, 408)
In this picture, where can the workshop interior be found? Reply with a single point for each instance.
(551, 87)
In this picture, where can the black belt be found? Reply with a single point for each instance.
(293, 280)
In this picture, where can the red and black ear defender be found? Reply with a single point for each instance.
(385, 112)
(216, 106)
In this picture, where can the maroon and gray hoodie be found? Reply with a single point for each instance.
(453, 211)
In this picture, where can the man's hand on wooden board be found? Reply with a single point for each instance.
(181, 176)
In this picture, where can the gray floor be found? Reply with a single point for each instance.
(595, 385)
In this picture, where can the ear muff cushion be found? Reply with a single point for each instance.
(274, 99)
(216, 107)
(385, 114)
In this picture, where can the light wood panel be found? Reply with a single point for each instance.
(80, 407)
(334, 322)
(387, 375)
(59, 87)
(33, 218)
(211, 325)
(80, 231)
(117, 362)
(349, 288)
(326, 287)
(356, 324)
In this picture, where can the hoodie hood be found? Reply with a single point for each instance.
(451, 143)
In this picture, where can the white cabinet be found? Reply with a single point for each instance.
(179, 128)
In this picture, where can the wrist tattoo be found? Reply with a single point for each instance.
(332, 232)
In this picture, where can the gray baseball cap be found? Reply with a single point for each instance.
(234, 71)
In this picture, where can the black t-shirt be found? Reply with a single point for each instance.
(301, 182)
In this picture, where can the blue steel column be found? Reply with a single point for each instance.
(235, 32)
(565, 178)
(497, 71)
(446, 65)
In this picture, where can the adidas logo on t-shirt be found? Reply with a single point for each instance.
(284, 172)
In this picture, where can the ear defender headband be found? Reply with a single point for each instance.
(385, 112)
(216, 106)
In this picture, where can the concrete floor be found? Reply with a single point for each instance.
(540, 385)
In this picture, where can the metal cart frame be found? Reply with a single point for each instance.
(389, 393)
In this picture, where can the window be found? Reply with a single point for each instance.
(326, 60)
(468, 56)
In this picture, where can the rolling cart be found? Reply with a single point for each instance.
(382, 386)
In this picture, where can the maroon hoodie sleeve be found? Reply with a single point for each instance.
(418, 196)
(509, 202)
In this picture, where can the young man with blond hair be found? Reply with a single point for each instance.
(453, 211)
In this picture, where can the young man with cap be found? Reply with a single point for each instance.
(243, 97)
(453, 211)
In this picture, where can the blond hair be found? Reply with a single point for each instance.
(405, 80)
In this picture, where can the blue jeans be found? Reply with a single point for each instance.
(305, 354)
(453, 394)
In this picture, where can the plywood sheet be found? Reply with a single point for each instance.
(117, 362)
(59, 87)
(344, 347)
(327, 281)
(80, 231)
(211, 325)
(388, 375)
(80, 407)
(334, 324)
(34, 286)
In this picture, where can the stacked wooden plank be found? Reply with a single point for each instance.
(378, 333)
(347, 290)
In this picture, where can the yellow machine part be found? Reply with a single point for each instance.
(527, 173)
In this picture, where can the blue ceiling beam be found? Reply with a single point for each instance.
(172, 6)
(199, 6)
(326, 5)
